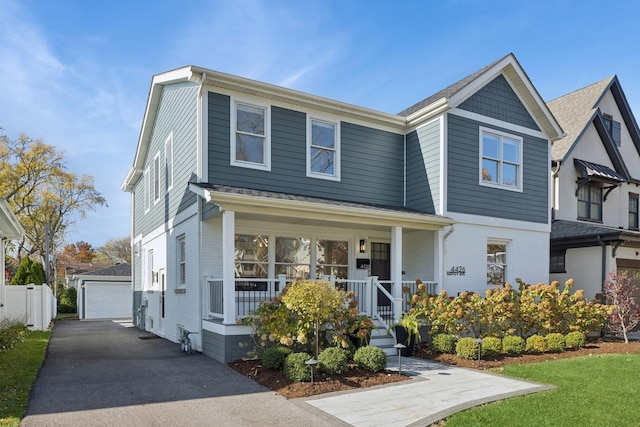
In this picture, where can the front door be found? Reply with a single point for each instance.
(381, 267)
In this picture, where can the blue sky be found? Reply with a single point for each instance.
(76, 73)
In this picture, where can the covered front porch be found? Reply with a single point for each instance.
(256, 242)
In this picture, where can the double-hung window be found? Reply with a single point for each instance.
(613, 127)
(590, 202)
(250, 145)
(182, 261)
(500, 160)
(633, 211)
(168, 161)
(323, 151)
(156, 178)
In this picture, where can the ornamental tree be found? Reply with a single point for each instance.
(619, 290)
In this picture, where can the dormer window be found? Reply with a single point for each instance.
(613, 128)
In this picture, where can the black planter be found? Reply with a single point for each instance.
(402, 337)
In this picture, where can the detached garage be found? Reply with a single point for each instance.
(106, 293)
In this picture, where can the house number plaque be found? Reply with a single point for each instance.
(458, 270)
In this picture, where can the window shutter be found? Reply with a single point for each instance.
(615, 133)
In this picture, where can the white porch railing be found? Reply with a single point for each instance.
(375, 297)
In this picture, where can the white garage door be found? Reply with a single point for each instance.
(108, 300)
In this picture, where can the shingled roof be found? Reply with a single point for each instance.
(121, 270)
(575, 111)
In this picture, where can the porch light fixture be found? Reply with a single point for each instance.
(363, 246)
(312, 363)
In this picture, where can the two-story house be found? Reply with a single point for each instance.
(239, 186)
(596, 183)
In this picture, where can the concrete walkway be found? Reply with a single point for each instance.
(435, 392)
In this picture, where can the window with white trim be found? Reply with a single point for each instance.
(500, 160)
(250, 143)
(168, 161)
(332, 258)
(156, 178)
(182, 261)
(323, 149)
(496, 263)
(147, 190)
(293, 257)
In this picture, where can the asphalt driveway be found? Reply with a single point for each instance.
(108, 373)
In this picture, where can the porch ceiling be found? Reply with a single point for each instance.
(293, 209)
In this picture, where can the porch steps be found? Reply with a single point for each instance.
(381, 337)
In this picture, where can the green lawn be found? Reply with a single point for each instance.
(18, 369)
(591, 391)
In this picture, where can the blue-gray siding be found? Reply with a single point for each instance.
(225, 348)
(498, 100)
(372, 160)
(466, 195)
(177, 113)
(423, 168)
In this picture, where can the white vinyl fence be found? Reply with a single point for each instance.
(35, 304)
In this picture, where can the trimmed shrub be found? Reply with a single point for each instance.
(67, 298)
(445, 343)
(467, 348)
(536, 344)
(491, 346)
(274, 357)
(371, 358)
(513, 344)
(575, 339)
(333, 360)
(555, 342)
(295, 368)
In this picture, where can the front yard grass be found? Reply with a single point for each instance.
(591, 391)
(18, 369)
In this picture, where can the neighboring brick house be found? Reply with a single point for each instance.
(239, 186)
(596, 182)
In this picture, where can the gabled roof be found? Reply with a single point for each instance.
(577, 110)
(445, 99)
(455, 94)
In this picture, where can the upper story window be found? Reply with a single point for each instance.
(633, 211)
(590, 202)
(250, 145)
(323, 151)
(613, 127)
(168, 161)
(156, 178)
(501, 160)
(147, 190)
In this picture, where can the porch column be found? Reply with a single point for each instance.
(396, 268)
(228, 275)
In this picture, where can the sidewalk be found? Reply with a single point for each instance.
(436, 392)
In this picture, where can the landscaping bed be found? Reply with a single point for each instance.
(357, 378)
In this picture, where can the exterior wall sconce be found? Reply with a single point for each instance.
(363, 246)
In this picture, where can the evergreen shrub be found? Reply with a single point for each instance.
(371, 358)
(295, 368)
(333, 360)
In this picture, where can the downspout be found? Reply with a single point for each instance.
(200, 143)
(603, 277)
(554, 175)
(444, 251)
